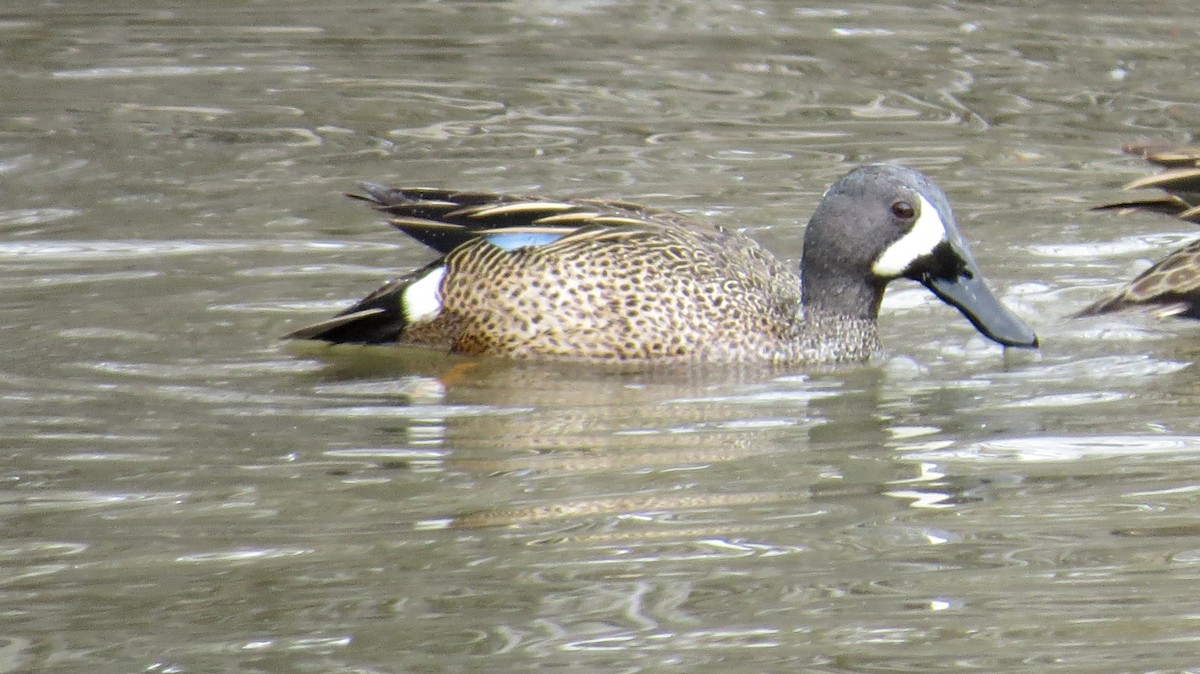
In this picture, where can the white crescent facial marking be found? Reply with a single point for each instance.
(925, 235)
(422, 300)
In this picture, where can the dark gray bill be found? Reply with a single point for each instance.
(967, 292)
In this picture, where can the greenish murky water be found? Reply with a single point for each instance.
(181, 493)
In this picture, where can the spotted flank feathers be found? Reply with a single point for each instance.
(1171, 287)
(592, 280)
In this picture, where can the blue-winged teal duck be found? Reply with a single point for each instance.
(1171, 287)
(596, 280)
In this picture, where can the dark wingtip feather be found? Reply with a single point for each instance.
(384, 197)
(1167, 155)
(321, 331)
(376, 319)
(1166, 205)
(1104, 306)
(1176, 180)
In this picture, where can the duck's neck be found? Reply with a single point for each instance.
(839, 315)
(837, 338)
(825, 293)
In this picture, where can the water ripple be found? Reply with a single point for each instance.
(110, 249)
(138, 72)
(1067, 448)
(34, 216)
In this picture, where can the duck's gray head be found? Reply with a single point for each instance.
(881, 222)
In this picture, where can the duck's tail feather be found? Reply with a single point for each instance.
(382, 316)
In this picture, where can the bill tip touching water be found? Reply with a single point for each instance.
(593, 280)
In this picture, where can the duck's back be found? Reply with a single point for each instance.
(628, 285)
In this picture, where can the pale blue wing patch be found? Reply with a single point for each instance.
(511, 241)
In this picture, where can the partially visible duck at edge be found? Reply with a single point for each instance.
(591, 280)
(1170, 287)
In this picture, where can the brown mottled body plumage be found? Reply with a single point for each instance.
(619, 294)
(1171, 287)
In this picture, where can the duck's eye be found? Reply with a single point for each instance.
(903, 210)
